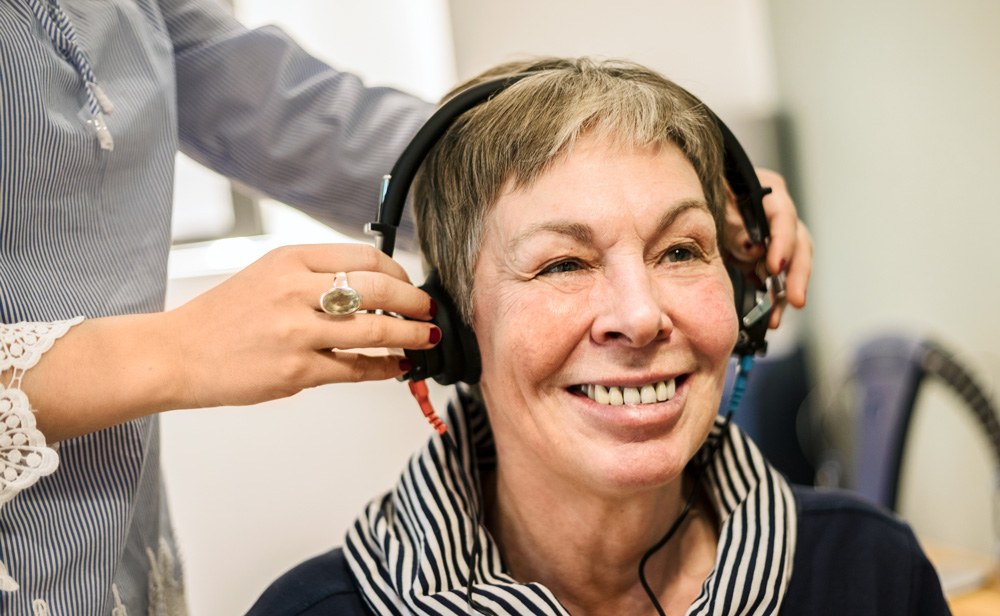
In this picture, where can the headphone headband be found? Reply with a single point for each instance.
(396, 185)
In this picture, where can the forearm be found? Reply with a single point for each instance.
(256, 107)
(104, 372)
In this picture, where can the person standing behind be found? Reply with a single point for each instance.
(96, 99)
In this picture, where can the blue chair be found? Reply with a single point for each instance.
(886, 375)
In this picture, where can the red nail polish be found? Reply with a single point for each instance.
(405, 364)
(435, 335)
(781, 266)
(434, 308)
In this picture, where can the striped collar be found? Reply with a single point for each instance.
(410, 550)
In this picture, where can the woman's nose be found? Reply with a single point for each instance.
(629, 308)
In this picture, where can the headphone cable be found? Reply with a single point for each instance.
(743, 367)
(420, 393)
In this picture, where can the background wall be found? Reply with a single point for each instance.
(893, 110)
(719, 49)
(893, 128)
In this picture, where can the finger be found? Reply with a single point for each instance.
(348, 367)
(381, 292)
(781, 251)
(800, 269)
(738, 242)
(775, 320)
(332, 258)
(736, 239)
(369, 331)
(782, 219)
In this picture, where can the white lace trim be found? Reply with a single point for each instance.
(7, 583)
(119, 609)
(24, 455)
(166, 590)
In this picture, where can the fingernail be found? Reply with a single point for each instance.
(434, 308)
(405, 364)
(781, 266)
(435, 335)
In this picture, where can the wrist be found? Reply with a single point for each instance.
(102, 373)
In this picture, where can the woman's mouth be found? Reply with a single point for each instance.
(617, 395)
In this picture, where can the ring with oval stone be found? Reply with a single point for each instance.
(340, 300)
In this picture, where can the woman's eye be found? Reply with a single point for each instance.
(678, 255)
(562, 267)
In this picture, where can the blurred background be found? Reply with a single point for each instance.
(882, 117)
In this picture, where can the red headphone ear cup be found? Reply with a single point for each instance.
(456, 357)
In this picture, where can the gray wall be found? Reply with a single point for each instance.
(893, 108)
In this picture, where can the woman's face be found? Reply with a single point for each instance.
(605, 319)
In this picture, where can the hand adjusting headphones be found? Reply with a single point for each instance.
(456, 357)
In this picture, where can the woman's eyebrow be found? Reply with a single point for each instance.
(671, 215)
(584, 234)
(577, 231)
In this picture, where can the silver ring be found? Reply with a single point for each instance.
(340, 300)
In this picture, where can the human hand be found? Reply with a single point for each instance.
(261, 335)
(790, 249)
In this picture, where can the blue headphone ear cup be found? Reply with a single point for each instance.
(456, 356)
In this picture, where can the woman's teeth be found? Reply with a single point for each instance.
(616, 396)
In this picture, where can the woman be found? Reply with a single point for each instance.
(583, 247)
(95, 100)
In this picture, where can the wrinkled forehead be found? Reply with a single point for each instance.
(595, 185)
(611, 142)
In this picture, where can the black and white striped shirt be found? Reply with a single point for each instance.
(410, 550)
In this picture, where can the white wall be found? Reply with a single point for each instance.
(894, 111)
(718, 49)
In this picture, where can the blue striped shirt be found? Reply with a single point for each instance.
(85, 230)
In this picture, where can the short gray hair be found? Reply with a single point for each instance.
(516, 135)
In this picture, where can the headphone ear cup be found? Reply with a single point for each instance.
(745, 296)
(456, 356)
(743, 292)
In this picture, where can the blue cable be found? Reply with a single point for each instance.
(743, 368)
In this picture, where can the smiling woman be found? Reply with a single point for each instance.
(576, 217)
(621, 305)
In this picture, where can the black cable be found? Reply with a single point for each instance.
(662, 542)
(743, 368)
(450, 443)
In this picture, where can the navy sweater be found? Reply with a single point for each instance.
(851, 559)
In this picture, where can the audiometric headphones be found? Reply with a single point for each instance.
(456, 357)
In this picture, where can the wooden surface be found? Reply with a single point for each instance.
(981, 599)
(982, 602)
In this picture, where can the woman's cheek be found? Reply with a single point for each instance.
(711, 313)
(534, 330)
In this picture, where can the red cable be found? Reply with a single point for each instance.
(419, 391)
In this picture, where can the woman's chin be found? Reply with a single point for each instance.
(631, 469)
